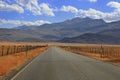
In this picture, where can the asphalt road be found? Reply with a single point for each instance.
(57, 64)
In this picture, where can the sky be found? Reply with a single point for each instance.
(15, 13)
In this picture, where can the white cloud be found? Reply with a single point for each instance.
(69, 9)
(23, 2)
(14, 7)
(107, 16)
(93, 0)
(96, 14)
(27, 23)
(30, 5)
(35, 7)
(46, 10)
(114, 4)
(91, 13)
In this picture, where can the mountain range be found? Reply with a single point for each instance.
(92, 38)
(86, 29)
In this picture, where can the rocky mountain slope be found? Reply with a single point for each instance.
(58, 31)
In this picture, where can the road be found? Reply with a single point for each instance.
(57, 64)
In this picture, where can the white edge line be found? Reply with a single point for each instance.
(25, 67)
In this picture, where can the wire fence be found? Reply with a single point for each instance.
(7, 50)
(103, 51)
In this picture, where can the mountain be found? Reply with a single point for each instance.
(76, 24)
(24, 27)
(93, 38)
(107, 26)
(72, 23)
(68, 28)
(57, 31)
(18, 35)
(111, 32)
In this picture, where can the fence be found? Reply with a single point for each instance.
(103, 51)
(7, 50)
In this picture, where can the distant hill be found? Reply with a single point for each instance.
(18, 35)
(111, 32)
(57, 31)
(92, 38)
(24, 27)
(68, 28)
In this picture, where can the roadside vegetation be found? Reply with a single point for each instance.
(14, 55)
(108, 53)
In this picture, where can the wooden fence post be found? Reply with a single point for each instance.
(101, 51)
(8, 50)
(26, 51)
(2, 51)
(14, 51)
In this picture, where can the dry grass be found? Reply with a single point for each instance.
(22, 43)
(51, 43)
(111, 59)
(10, 62)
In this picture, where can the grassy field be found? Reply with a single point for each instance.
(108, 53)
(12, 55)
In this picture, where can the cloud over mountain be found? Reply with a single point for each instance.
(96, 14)
(27, 23)
(35, 10)
(107, 16)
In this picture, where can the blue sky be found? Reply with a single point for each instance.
(37, 12)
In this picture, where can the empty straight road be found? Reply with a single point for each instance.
(57, 64)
